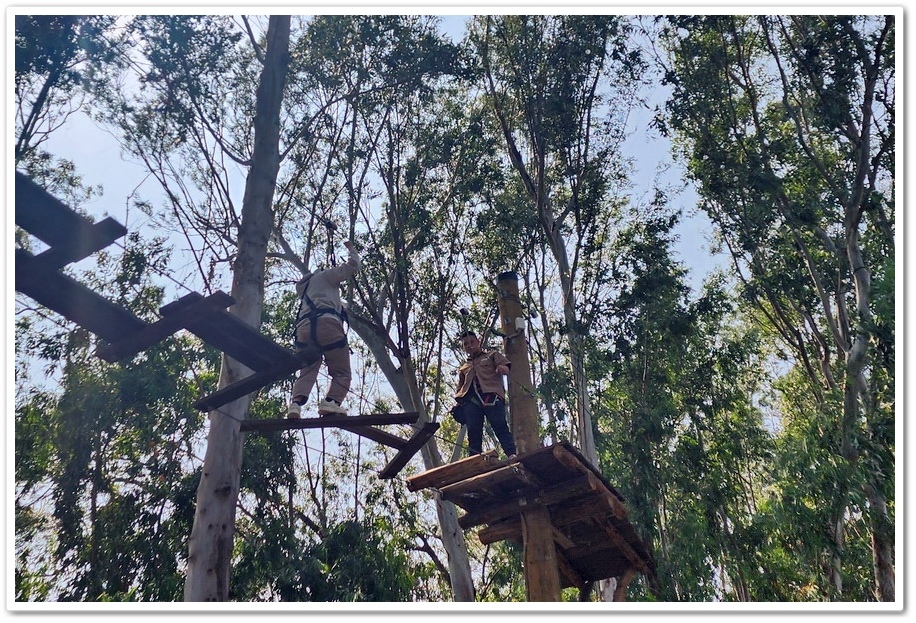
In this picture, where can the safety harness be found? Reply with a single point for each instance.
(312, 312)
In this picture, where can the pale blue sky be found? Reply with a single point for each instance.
(98, 159)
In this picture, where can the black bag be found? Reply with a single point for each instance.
(457, 413)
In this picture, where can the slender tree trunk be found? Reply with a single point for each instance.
(882, 530)
(210, 545)
(404, 383)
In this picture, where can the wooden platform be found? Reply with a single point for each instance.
(594, 538)
(364, 426)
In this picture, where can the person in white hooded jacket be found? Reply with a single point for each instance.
(320, 322)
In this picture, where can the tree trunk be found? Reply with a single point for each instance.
(401, 380)
(210, 545)
(882, 530)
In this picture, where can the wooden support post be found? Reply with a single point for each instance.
(620, 593)
(542, 575)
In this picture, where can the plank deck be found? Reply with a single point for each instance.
(72, 237)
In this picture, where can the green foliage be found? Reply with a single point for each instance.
(785, 123)
(715, 412)
(108, 456)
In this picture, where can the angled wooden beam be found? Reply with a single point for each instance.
(376, 435)
(570, 576)
(621, 544)
(620, 593)
(411, 448)
(256, 381)
(571, 461)
(198, 309)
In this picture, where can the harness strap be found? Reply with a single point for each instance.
(312, 316)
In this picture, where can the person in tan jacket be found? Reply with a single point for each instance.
(320, 323)
(481, 394)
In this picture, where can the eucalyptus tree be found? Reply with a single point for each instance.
(787, 124)
(211, 543)
(404, 158)
(682, 377)
(197, 99)
(192, 121)
(558, 88)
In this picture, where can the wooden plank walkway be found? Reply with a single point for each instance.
(70, 235)
(363, 425)
(72, 300)
(152, 334)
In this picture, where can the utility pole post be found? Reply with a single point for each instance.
(542, 578)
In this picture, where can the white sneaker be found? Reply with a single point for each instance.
(294, 411)
(330, 407)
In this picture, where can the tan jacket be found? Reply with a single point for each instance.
(483, 368)
(324, 285)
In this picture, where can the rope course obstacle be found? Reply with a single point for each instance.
(72, 237)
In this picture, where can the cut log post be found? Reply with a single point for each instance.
(542, 577)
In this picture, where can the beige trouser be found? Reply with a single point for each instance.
(328, 329)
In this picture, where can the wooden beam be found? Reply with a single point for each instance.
(509, 528)
(542, 578)
(483, 481)
(621, 543)
(254, 381)
(72, 300)
(570, 575)
(562, 540)
(453, 472)
(542, 575)
(620, 592)
(376, 435)
(152, 334)
(570, 461)
(239, 340)
(70, 235)
(326, 421)
(82, 244)
(411, 448)
(549, 496)
(595, 506)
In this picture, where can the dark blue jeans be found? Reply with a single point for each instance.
(495, 414)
